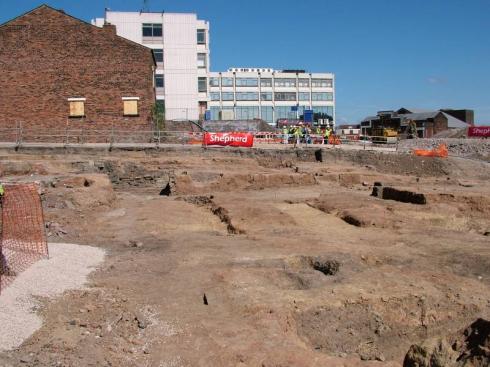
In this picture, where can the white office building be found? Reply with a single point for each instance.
(188, 89)
(180, 43)
(249, 93)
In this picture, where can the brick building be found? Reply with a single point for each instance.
(58, 71)
(429, 123)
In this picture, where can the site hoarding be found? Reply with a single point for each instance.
(229, 139)
(479, 131)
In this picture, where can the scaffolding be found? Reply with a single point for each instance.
(23, 236)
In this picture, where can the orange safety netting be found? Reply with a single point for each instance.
(440, 151)
(23, 238)
(334, 140)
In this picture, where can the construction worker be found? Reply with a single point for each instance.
(307, 133)
(326, 135)
(297, 136)
(285, 134)
(411, 129)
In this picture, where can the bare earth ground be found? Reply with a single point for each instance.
(299, 264)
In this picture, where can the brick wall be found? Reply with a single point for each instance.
(440, 123)
(47, 57)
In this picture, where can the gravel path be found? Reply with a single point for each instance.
(66, 269)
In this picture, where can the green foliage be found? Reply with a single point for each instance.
(158, 116)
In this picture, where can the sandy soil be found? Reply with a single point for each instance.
(259, 259)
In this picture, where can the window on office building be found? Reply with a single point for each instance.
(302, 82)
(285, 82)
(267, 114)
(152, 30)
(214, 113)
(230, 111)
(324, 110)
(201, 36)
(285, 96)
(159, 83)
(321, 83)
(304, 96)
(266, 82)
(214, 82)
(158, 53)
(214, 96)
(247, 82)
(301, 110)
(201, 60)
(247, 112)
(247, 96)
(226, 82)
(285, 112)
(266, 96)
(321, 96)
(227, 96)
(201, 84)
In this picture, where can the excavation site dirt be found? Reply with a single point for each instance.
(268, 258)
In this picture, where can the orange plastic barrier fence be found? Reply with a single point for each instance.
(23, 239)
(195, 138)
(440, 151)
(334, 140)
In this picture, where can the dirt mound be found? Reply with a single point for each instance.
(392, 163)
(79, 192)
(451, 133)
(378, 330)
(125, 174)
(468, 347)
(186, 184)
(20, 168)
(470, 148)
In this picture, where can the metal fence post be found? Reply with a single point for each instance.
(19, 135)
(66, 136)
(111, 138)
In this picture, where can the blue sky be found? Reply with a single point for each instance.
(385, 53)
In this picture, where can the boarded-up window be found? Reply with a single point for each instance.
(77, 107)
(130, 106)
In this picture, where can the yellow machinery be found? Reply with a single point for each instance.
(384, 135)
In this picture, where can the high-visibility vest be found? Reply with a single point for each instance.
(2, 190)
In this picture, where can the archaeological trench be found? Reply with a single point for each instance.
(264, 258)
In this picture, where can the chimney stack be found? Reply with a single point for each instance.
(110, 28)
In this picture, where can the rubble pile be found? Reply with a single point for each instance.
(468, 347)
(468, 148)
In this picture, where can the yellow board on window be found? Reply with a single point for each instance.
(77, 108)
(131, 108)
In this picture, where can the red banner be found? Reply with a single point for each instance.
(479, 131)
(229, 139)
